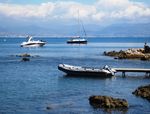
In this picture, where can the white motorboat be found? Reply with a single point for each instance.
(86, 71)
(32, 43)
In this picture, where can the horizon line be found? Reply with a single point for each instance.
(90, 36)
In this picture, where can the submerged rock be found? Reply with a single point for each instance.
(143, 91)
(25, 59)
(59, 105)
(107, 102)
(49, 108)
(24, 55)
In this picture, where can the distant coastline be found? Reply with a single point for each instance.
(50, 36)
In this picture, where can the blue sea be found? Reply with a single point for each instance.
(31, 87)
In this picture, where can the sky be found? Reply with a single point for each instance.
(65, 12)
(42, 1)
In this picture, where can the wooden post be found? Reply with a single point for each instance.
(123, 74)
(147, 74)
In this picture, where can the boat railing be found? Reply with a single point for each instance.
(29, 38)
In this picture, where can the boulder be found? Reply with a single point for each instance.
(107, 102)
(143, 91)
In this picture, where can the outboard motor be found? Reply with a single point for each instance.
(112, 71)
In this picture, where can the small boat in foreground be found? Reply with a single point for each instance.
(32, 43)
(85, 71)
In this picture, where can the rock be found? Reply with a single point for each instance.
(145, 58)
(25, 59)
(24, 55)
(116, 58)
(107, 102)
(111, 53)
(48, 107)
(129, 54)
(143, 91)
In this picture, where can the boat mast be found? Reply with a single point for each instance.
(80, 22)
(83, 28)
(78, 25)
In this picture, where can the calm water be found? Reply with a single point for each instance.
(29, 87)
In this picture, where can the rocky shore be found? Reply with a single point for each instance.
(107, 102)
(141, 53)
(143, 91)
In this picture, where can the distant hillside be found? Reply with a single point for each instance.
(127, 30)
(69, 30)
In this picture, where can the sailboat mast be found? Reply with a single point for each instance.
(83, 28)
(78, 24)
(80, 21)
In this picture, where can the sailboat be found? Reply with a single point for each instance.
(78, 39)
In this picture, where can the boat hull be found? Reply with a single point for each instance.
(85, 73)
(77, 42)
(33, 45)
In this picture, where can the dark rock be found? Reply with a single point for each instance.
(25, 59)
(143, 91)
(111, 53)
(48, 107)
(105, 52)
(107, 102)
(145, 58)
(116, 58)
(26, 55)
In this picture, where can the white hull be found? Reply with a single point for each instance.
(32, 43)
(77, 40)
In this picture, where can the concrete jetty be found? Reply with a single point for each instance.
(124, 70)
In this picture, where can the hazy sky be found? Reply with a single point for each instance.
(65, 11)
